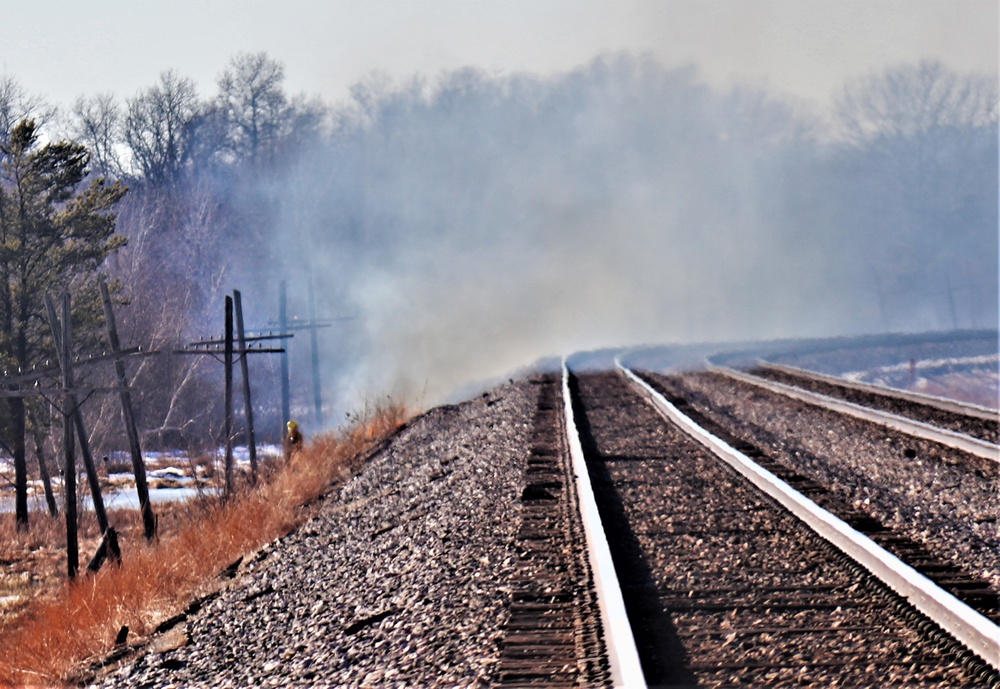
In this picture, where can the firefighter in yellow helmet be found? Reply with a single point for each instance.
(293, 439)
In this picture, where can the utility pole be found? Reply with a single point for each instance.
(286, 412)
(245, 370)
(228, 360)
(881, 299)
(312, 324)
(314, 343)
(30, 384)
(69, 407)
(72, 409)
(228, 349)
(138, 466)
(951, 302)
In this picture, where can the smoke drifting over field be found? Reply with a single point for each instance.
(475, 224)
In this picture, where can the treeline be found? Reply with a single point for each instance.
(480, 221)
(473, 223)
(166, 196)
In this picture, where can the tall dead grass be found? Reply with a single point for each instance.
(81, 619)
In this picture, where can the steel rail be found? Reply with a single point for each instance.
(969, 627)
(959, 441)
(623, 657)
(942, 403)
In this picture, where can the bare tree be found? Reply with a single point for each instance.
(754, 116)
(252, 97)
(16, 104)
(924, 125)
(306, 124)
(98, 126)
(912, 100)
(158, 124)
(172, 272)
(209, 144)
(918, 165)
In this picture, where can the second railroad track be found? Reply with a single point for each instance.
(724, 586)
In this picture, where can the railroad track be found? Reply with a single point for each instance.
(598, 540)
(724, 585)
(553, 632)
(961, 417)
(963, 427)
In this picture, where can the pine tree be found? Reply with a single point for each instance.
(56, 229)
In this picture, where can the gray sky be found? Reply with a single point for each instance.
(64, 48)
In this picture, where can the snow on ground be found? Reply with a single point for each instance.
(966, 379)
(171, 476)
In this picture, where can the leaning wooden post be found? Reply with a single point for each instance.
(138, 466)
(43, 468)
(245, 370)
(228, 358)
(92, 478)
(66, 362)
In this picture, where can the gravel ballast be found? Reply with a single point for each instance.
(914, 486)
(400, 579)
(406, 574)
(723, 587)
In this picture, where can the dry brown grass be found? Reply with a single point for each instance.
(77, 621)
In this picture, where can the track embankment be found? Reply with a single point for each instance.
(403, 578)
(456, 555)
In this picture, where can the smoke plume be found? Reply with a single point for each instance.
(474, 224)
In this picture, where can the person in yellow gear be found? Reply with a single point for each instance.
(293, 439)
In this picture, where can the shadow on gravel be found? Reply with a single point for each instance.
(663, 658)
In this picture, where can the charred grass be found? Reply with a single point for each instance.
(66, 625)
